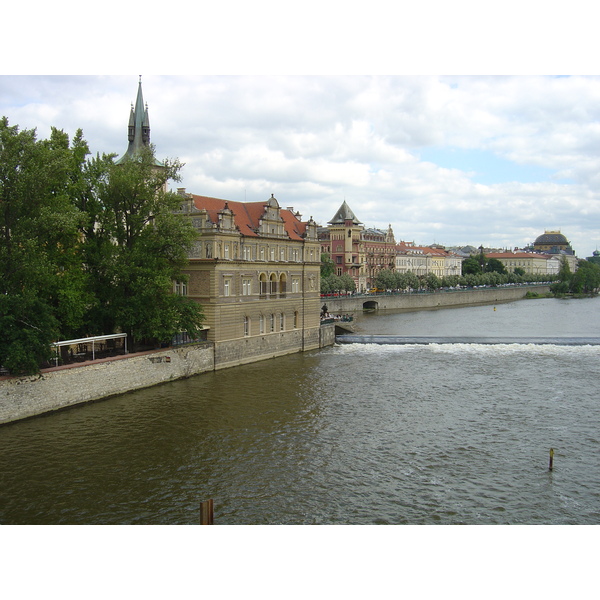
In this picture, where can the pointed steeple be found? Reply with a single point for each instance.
(138, 130)
(343, 215)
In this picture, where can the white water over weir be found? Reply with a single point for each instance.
(424, 340)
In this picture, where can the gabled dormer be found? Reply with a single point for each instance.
(226, 219)
(311, 233)
(271, 223)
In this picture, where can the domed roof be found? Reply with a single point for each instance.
(551, 238)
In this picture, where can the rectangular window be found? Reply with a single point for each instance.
(262, 253)
(227, 287)
(295, 285)
(180, 288)
(226, 251)
(246, 326)
(246, 287)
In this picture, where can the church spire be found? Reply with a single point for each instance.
(138, 130)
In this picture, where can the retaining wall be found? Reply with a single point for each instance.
(22, 397)
(430, 300)
(61, 387)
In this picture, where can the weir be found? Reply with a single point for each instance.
(424, 340)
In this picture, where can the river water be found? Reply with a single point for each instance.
(352, 434)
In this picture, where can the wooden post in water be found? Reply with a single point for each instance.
(550, 465)
(207, 512)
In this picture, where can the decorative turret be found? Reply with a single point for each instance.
(344, 216)
(138, 130)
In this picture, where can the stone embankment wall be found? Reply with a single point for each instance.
(432, 300)
(262, 347)
(54, 389)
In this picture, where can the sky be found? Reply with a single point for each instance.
(453, 160)
(453, 124)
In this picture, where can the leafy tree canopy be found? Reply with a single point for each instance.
(86, 247)
(327, 265)
(139, 248)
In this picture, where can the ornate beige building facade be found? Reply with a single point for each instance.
(255, 270)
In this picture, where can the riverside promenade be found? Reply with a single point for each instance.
(428, 300)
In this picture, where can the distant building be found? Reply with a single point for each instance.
(342, 241)
(356, 251)
(530, 262)
(595, 258)
(553, 242)
(363, 252)
(423, 260)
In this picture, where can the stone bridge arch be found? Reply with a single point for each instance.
(370, 305)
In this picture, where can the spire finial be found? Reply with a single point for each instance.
(140, 79)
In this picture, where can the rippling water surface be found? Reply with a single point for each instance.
(353, 434)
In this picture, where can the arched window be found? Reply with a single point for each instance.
(246, 326)
(261, 324)
(296, 320)
(263, 284)
(282, 284)
(273, 290)
(272, 322)
(281, 322)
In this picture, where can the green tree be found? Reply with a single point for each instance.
(137, 247)
(586, 280)
(347, 283)
(564, 272)
(41, 278)
(471, 266)
(327, 265)
(563, 283)
(432, 282)
(386, 280)
(495, 266)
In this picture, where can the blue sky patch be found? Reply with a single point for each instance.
(486, 166)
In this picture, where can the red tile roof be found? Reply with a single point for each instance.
(248, 214)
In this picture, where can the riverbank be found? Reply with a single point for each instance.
(63, 387)
(431, 300)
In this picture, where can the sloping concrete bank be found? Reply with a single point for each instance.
(429, 300)
(61, 387)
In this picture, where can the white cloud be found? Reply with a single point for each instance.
(315, 141)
